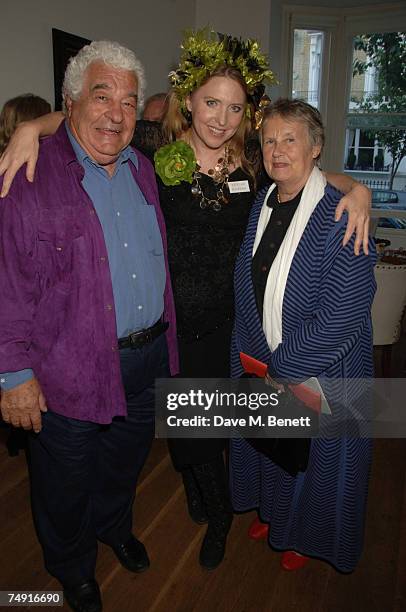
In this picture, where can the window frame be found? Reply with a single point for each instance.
(340, 26)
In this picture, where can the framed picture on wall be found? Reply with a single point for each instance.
(64, 47)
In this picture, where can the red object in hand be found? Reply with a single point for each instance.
(311, 398)
(258, 530)
(292, 561)
(253, 366)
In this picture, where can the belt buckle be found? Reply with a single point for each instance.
(140, 338)
(134, 337)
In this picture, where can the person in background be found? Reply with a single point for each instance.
(208, 173)
(155, 107)
(21, 108)
(303, 306)
(86, 301)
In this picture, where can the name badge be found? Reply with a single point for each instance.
(238, 186)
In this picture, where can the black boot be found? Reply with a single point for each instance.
(197, 510)
(212, 480)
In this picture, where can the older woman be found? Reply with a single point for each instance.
(303, 307)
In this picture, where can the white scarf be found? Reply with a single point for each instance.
(278, 274)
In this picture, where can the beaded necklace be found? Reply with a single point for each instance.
(219, 174)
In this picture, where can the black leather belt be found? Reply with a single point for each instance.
(144, 336)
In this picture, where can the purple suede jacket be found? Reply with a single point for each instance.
(56, 299)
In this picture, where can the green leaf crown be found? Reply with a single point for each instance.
(204, 51)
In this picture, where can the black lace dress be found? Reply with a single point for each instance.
(202, 249)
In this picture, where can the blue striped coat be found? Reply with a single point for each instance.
(326, 330)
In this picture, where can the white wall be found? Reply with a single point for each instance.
(152, 29)
(248, 19)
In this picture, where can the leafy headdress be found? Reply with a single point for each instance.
(204, 51)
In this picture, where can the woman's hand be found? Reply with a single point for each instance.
(22, 148)
(271, 382)
(357, 203)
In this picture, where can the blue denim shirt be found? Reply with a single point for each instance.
(133, 241)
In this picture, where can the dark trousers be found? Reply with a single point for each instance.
(208, 357)
(84, 475)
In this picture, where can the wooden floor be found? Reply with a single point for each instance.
(249, 580)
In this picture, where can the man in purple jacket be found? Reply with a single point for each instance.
(86, 302)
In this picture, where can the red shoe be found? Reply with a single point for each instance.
(293, 561)
(258, 530)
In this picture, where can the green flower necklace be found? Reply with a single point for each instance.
(176, 162)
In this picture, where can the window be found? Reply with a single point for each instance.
(307, 65)
(362, 151)
(377, 100)
(328, 63)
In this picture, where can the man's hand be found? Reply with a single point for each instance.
(22, 406)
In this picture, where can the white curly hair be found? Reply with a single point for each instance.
(109, 52)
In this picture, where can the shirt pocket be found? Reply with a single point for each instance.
(60, 232)
(151, 231)
(59, 227)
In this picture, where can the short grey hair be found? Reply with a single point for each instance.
(109, 52)
(297, 110)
